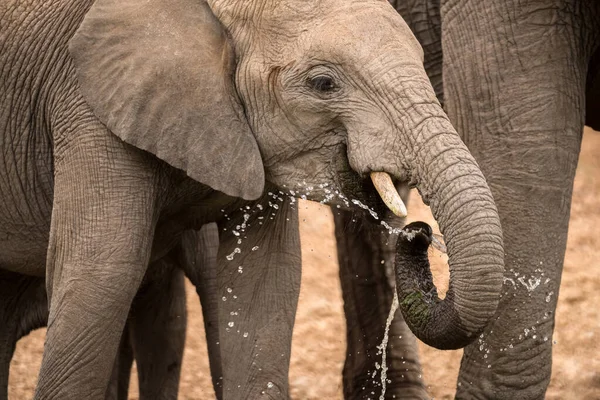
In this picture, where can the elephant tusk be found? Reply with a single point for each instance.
(386, 189)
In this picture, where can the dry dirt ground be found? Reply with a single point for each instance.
(319, 340)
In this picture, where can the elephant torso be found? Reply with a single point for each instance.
(41, 110)
(31, 67)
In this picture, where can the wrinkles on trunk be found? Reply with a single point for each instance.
(450, 181)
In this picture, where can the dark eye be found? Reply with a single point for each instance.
(322, 83)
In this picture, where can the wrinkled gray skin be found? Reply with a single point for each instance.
(520, 80)
(127, 123)
(155, 331)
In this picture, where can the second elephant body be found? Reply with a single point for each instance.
(126, 123)
(518, 80)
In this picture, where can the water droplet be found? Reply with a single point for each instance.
(255, 248)
(235, 251)
(231, 324)
(245, 334)
(224, 298)
(229, 290)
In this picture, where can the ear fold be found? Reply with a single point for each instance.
(159, 74)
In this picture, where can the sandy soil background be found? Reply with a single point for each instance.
(319, 338)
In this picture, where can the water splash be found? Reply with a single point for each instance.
(267, 211)
(531, 284)
(237, 250)
(382, 348)
(366, 207)
(437, 242)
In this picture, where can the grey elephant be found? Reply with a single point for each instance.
(127, 123)
(518, 80)
(155, 331)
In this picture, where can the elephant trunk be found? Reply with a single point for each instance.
(449, 179)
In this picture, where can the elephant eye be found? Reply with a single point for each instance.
(322, 83)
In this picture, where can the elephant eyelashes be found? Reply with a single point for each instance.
(322, 83)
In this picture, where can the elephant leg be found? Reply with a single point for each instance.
(23, 308)
(118, 388)
(106, 201)
(258, 286)
(368, 294)
(514, 81)
(199, 252)
(157, 323)
(8, 342)
(155, 331)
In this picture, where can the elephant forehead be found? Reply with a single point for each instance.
(363, 30)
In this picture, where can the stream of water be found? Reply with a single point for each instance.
(383, 347)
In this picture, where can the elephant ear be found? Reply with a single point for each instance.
(159, 74)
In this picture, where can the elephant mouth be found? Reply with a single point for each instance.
(373, 194)
(337, 184)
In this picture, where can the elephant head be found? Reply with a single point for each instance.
(236, 92)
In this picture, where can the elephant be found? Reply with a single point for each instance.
(127, 123)
(155, 330)
(518, 81)
(25, 309)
